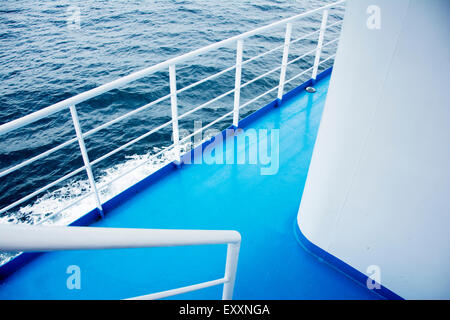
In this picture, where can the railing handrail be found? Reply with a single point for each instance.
(45, 238)
(79, 98)
(49, 238)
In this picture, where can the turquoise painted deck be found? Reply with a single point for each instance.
(263, 208)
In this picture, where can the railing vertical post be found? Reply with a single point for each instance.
(174, 107)
(230, 270)
(237, 82)
(323, 26)
(84, 154)
(287, 41)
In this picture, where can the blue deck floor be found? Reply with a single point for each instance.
(263, 208)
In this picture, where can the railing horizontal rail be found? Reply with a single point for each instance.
(299, 75)
(45, 238)
(124, 116)
(302, 56)
(304, 37)
(262, 54)
(51, 238)
(206, 104)
(258, 97)
(334, 23)
(329, 42)
(260, 76)
(129, 143)
(152, 157)
(169, 293)
(206, 79)
(207, 126)
(329, 58)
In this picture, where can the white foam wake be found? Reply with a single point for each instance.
(55, 207)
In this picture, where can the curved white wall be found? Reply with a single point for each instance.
(378, 188)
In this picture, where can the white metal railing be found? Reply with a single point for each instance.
(41, 238)
(174, 91)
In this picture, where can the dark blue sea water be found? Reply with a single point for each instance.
(44, 60)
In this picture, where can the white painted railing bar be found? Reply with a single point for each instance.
(192, 85)
(45, 238)
(206, 104)
(329, 42)
(262, 54)
(131, 142)
(304, 37)
(260, 76)
(325, 60)
(230, 270)
(287, 40)
(302, 56)
(174, 109)
(299, 75)
(237, 82)
(15, 124)
(54, 238)
(85, 156)
(259, 97)
(124, 116)
(319, 43)
(48, 186)
(207, 126)
(104, 185)
(173, 292)
(333, 24)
